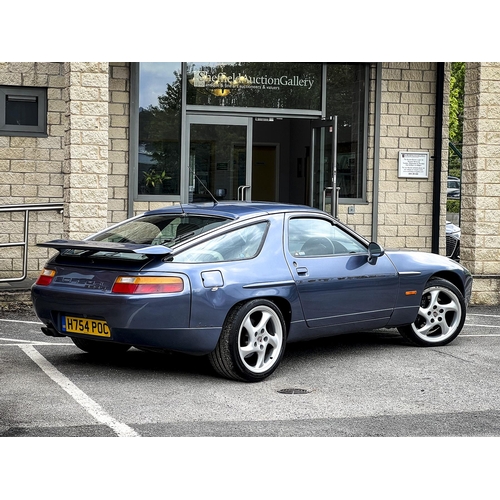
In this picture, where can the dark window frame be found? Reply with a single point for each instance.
(40, 93)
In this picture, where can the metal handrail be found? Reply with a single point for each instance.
(26, 208)
(455, 149)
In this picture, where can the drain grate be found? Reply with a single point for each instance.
(294, 391)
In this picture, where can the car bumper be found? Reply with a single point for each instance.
(145, 321)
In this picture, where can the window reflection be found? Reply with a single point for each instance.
(345, 97)
(312, 237)
(255, 84)
(271, 86)
(159, 128)
(243, 243)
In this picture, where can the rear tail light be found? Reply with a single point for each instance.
(46, 277)
(147, 284)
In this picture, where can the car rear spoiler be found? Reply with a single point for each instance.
(106, 246)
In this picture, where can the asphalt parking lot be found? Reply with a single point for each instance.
(366, 385)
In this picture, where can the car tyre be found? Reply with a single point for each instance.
(252, 342)
(440, 318)
(99, 348)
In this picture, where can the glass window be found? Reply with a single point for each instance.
(160, 229)
(159, 154)
(217, 161)
(309, 237)
(274, 85)
(243, 243)
(345, 97)
(265, 85)
(23, 111)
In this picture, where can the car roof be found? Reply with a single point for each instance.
(234, 209)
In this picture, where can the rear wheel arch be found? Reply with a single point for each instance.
(286, 310)
(282, 304)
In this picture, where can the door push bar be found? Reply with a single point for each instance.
(242, 192)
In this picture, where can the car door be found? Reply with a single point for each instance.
(336, 282)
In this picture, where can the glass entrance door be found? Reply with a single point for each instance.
(219, 158)
(324, 192)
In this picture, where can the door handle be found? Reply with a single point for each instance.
(302, 271)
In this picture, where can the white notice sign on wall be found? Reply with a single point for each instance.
(413, 165)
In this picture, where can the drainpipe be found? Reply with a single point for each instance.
(376, 151)
(438, 148)
(133, 137)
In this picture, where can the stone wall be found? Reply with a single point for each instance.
(119, 121)
(31, 170)
(480, 207)
(82, 162)
(408, 107)
(86, 149)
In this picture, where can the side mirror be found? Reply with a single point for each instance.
(374, 252)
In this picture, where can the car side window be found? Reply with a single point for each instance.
(240, 244)
(309, 237)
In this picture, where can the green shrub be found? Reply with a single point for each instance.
(453, 206)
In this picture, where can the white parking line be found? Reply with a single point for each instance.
(13, 344)
(94, 409)
(21, 321)
(32, 342)
(482, 326)
(480, 335)
(485, 315)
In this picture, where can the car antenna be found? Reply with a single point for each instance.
(182, 209)
(202, 183)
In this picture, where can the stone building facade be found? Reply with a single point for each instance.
(82, 167)
(480, 210)
(407, 116)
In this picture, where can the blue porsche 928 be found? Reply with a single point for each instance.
(237, 281)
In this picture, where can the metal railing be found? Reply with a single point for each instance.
(27, 208)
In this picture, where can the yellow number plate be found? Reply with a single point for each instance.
(86, 326)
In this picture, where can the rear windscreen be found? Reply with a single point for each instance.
(168, 230)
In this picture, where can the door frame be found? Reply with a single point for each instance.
(276, 146)
(318, 126)
(200, 119)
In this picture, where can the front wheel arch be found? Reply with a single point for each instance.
(452, 278)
